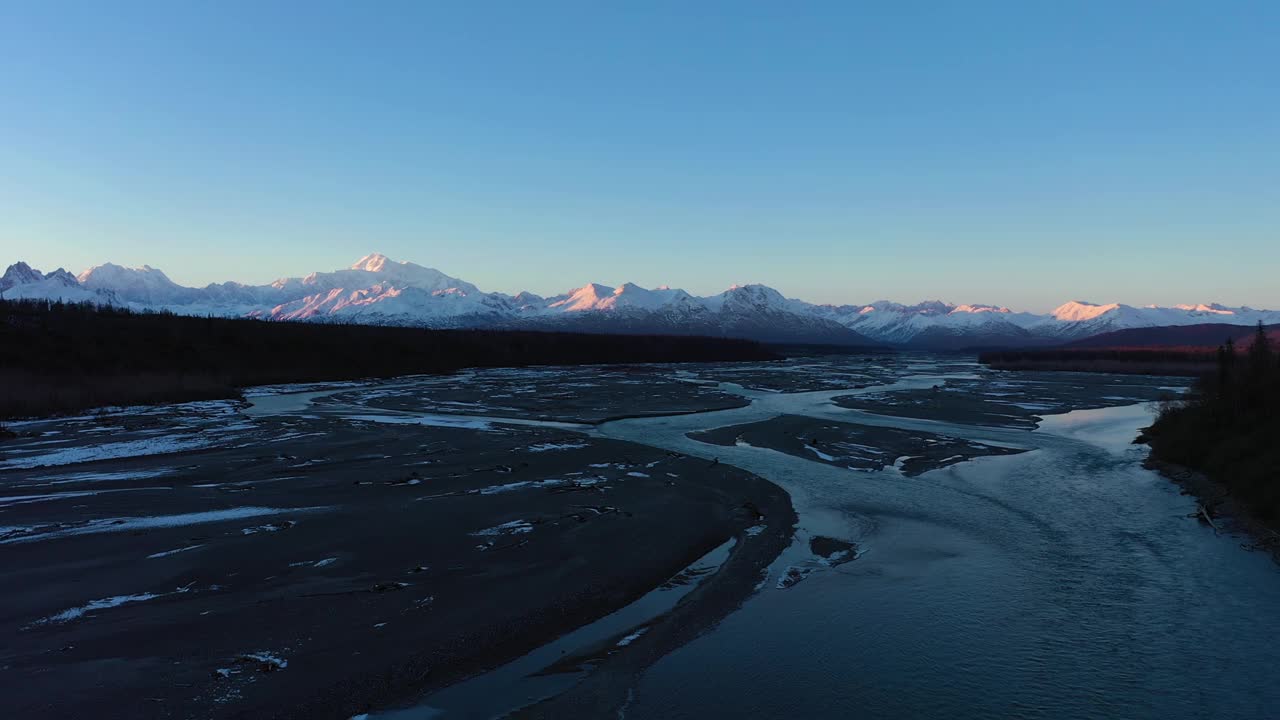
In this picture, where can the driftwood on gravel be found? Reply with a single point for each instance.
(1204, 513)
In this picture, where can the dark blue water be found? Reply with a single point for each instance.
(1062, 583)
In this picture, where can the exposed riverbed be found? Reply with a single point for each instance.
(965, 543)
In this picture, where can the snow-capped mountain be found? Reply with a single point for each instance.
(749, 311)
(938, 325)
(935, 324)
(144, 285)
(20, 274)
(629, 296)
(377, 290)
(1076, 319)
(22, 282)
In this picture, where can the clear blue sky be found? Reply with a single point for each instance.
(1023, 152)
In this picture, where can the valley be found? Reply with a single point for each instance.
(339, 549)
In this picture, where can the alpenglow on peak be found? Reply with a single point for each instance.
(373, 262)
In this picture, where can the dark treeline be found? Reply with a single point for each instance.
(1139, 361)
(1228, 427)
(61, 357)
(1200, 336)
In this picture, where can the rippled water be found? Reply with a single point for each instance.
(1065, 582)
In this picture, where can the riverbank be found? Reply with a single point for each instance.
(1226, 428)
(1218, 509)
(605, 692)
(1137, 361)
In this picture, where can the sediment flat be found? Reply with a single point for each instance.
(854, 446)
(567, 394)
(998, 400)
(199, 561)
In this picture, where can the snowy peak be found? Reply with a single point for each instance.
(380, 269)
(22, 282)
(19, 273)
(628, 298)
(374, 262)
(980, 309)
(140, 285)
(1210, 309)
(1078, 311)
(932, 307)
(112, 273)
(588, 297)
(740, 298)
(528, 301)
(632, 296)
(62, 277)
(368, 272)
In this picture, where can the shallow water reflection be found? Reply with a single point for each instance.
(1066, 582)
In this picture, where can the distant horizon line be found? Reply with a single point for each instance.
(145, 267)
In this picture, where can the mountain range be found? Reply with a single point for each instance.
(378, 291)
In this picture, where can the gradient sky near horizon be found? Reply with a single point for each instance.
(1019, 153)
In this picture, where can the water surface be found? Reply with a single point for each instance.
(1065, 582)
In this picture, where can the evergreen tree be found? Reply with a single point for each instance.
(1222, 368)
(1260, 352)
